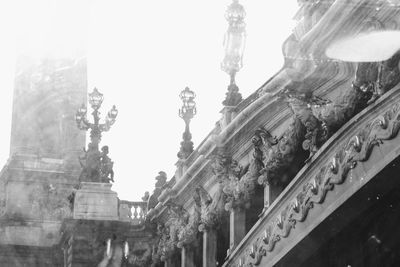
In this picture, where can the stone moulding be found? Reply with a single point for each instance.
(332, 164)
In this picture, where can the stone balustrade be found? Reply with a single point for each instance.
(133, 211)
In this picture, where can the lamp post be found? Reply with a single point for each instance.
(97, 166)
(187, 112)
(234, 44)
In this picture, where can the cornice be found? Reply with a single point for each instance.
(344, 151)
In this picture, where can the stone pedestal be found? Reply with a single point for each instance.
(95, 201)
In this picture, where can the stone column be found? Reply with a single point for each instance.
(237, 227)
(168, 263)
(267, 196)
(187, 257)
(209, 248)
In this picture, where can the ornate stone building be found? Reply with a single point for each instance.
(303, 172)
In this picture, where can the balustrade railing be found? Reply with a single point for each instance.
(133, 211)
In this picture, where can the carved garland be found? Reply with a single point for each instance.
(357, 149)
(179, 230)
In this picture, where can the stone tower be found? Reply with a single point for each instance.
(46, 95)
(43, 167)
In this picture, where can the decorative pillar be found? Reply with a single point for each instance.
(209, 248)
(237, 227)
(187, 257)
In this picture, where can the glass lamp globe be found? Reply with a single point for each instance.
(95, 98)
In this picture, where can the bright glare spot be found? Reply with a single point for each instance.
(371, 47)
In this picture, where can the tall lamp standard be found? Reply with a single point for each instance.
(97, 166)
(234, 44)
(187, 112)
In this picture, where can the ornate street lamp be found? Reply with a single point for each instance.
(97, 166)
(234, 43)
(187, 112)
(95, 100)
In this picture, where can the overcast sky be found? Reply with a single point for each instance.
(141, 54)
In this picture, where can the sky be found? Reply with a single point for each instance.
(141, 55)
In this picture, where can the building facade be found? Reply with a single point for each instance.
(303, 172)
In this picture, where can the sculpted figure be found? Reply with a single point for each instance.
(106, 166)
(90, 163)
(96, 166)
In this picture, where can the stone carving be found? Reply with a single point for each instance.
(90, 163)
(364, 92)
(376, 78)
(177, 219)
(277, 157)
(208, 209)
(188, 233)
(262, 142)
(161, 183)
(228, 173)
(106, 166)
(97, 166)
(321, 117)
(301, 102)
(238, 183)
(146, 196)
(356, 149)
(179, 230)
(140, 254)
(158, 254)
